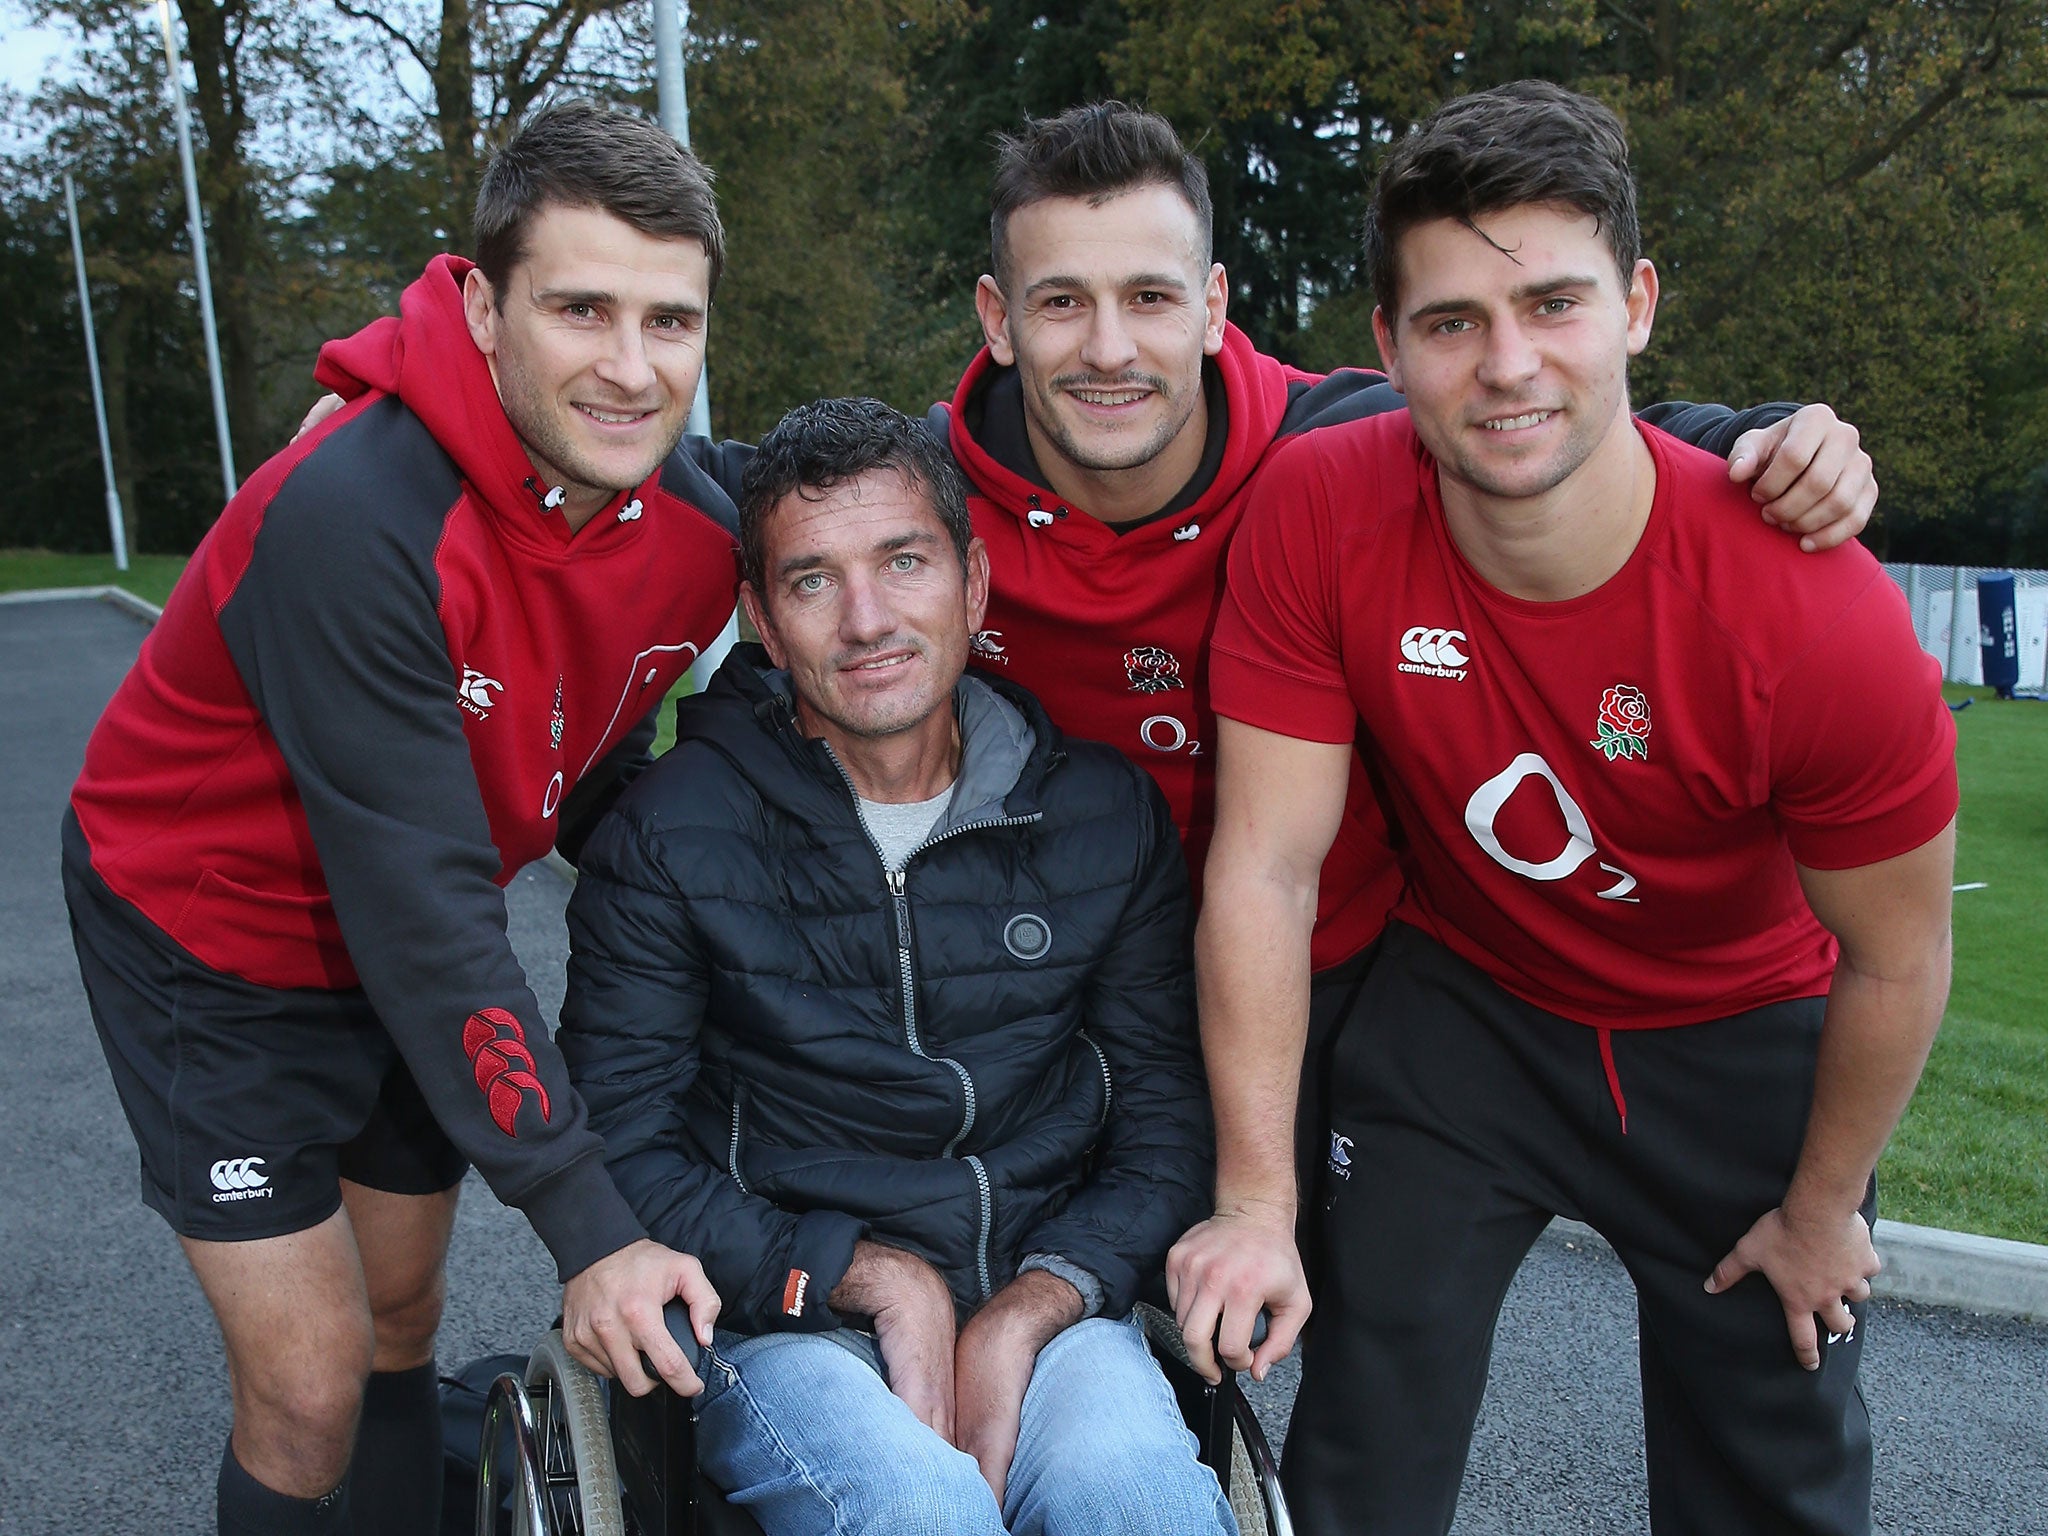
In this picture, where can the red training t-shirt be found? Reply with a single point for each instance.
(1604, 796)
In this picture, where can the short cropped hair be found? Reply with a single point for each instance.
(580, 154)
(1097, 151)
(1527, 142)
(829, 442)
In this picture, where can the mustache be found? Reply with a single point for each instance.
(844, 659)
(1128, 378)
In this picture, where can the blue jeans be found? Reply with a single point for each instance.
(803, 1431)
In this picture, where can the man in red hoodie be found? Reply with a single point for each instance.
(419, 648)
(1111, 431)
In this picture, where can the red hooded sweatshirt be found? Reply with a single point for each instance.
(1109, 625)
(374, 696)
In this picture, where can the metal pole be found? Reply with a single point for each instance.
(672, 94)
(92, 363)
(220, 396)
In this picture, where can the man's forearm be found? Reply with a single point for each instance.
(1873, 1046)
(1252, 972)
(1032, 1310)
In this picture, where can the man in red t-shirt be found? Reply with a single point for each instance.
(1680, 821)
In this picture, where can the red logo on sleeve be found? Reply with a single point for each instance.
(793, 1291)
(496, 1046)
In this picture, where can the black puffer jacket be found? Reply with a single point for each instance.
(786, 1049)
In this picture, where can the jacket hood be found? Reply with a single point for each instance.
(1255, 394)
(748, 715)
(427, 358)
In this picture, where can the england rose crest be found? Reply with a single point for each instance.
(1624, 729)
(1152, 669)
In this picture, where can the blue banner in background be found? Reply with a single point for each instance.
(1999, 633)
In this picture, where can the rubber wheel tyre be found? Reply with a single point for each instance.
(1247, 1497)
(579, 1478)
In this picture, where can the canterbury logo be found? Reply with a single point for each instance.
(1340, 1155)
(238, 1173)
(1434, 652)
(496, 1046)
(475, 691)
(238, 1178)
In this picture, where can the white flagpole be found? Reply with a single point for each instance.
(672, 93)
(92, 363)
(220, 397)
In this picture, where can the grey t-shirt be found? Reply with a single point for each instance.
(898, 829)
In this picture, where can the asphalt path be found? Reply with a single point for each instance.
(114, 1407)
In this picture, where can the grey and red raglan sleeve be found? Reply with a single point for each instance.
(334, 629)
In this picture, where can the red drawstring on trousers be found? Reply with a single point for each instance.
(1613, 1077)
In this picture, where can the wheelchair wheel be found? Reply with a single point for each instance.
(1255, 1496)
(579, 1480)
(1245, 1500)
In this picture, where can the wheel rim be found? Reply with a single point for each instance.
(558, 1466)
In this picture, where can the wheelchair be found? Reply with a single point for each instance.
(581, 1470)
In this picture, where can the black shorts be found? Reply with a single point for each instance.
(249, 1104)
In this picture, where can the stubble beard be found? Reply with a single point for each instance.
(1105, 458)
(889, 717)
(533, 414)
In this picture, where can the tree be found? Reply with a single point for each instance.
(255, 93)
(808, 116)
(465, 72)
(1843, 200)
(110, 127)
(1289, 104)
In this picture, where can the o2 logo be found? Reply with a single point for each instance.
(1165, 733)
(1487, 801)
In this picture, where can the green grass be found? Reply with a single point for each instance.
(1972, 1151)
(148, 576)
(665, 722)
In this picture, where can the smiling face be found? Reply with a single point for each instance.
(1512, 346)
(864, 602)
(596, 343)
(1106, 312)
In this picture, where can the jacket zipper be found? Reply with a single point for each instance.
(1108, 1084)
(897, 881)
(907, 975)
(981, 1237)
(732, 1150)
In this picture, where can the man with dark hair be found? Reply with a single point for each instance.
(1680, 811)
(879, 994)
(418, 649)
(1111, 430)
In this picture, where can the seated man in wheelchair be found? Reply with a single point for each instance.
(879, 995)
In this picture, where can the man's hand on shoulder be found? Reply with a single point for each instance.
(997, 1353)
(611, 1315)
(913, 1316)
(1816, 1265)
(1222, 1272)
(323, 408)
(1810, 475)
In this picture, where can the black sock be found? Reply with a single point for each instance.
(248, 1508)
(395, 1480)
